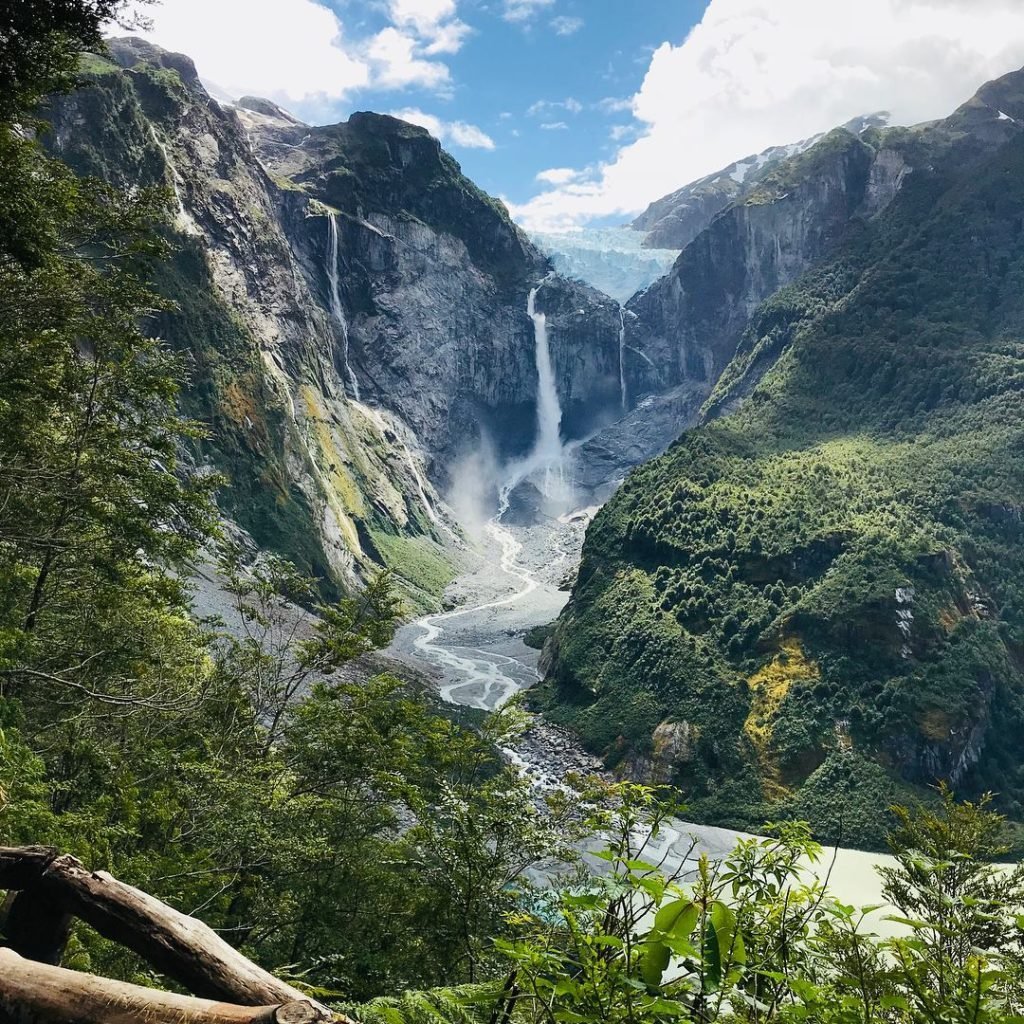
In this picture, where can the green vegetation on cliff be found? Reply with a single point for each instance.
(822, 590)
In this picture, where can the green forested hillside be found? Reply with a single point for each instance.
(817, 599)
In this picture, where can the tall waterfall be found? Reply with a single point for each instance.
(548, 454)
(622, 364)
(548, 448)
(337, 312)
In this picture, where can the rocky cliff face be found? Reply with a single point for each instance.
(749, 231)
(351, 308)
(434, 278)
(675, 220)
(685, 327)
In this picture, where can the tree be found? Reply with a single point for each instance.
(963, 908)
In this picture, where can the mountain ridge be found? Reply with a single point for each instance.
(809, 599)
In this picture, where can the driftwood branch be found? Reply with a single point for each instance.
(181, 947)
(32, 993)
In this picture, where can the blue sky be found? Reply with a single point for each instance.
(578, 112)
(515, 80)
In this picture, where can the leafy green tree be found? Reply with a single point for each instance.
(751, 939)
(282, 638)
(94, 508)
(964, 909)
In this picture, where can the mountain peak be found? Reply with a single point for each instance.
(268, 108)
(128, 51)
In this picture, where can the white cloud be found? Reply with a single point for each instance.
(392, 55)
(457, 133)
(296, 50)
(554, 126)
(623, 131)
(291, 50)
(570, 104)
(523, 10)
(615, 104)
(434, 22)
(566, 25)
(756, 73)
(558, 175)
(422, 13)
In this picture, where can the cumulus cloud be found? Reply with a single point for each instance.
(296, 50)
(756, 73)
(392, 55)
(566, 25)
(457, 133)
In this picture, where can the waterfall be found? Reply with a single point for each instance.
(548, 453)
(548, 448)
(622, 363)
(337, 312)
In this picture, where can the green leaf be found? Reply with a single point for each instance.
(677, 918)
(712, 956)
(730, 942)
(656, 957)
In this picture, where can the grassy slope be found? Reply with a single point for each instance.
(746, 581)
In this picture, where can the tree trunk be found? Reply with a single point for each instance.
(179, 946)
(32, 993)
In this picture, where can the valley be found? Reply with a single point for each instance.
(591, 598)
(395, 376)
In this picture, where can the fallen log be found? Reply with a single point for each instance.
(177, 945)
(33, 993)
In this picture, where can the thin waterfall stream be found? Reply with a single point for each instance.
(337, 310)
(622, 364)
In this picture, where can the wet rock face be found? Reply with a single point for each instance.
(434, 280)
(685, 327)
(583, 330)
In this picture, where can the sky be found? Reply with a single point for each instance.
(581, 112)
